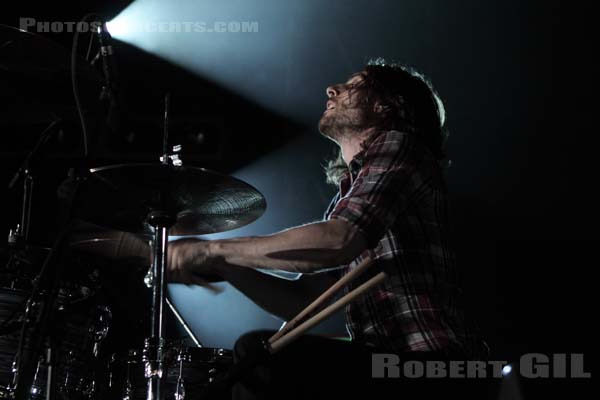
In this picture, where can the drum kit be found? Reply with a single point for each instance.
(53, 318)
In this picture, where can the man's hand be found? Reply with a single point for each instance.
(190, 263)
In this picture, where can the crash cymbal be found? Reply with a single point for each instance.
(25, 53)
(199, 201)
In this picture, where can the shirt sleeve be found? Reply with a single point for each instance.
(385, 186)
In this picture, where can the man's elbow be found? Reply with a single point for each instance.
(350, 242)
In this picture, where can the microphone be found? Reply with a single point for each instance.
(110, 88)
(108, 62)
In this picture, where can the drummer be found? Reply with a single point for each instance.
(391, 206)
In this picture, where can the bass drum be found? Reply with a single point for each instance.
(188, 371)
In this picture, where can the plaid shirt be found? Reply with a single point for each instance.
(395, 194)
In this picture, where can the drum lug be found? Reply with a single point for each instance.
(149, 278)
(182, 357)
(212, 373)
(128, 391)
(180, 391)
(154, 366)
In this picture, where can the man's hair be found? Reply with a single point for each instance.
(409, 104)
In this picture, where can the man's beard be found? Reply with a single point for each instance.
(339, 125)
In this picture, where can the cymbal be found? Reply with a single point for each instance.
(199, 201)
(26, 53)
(25, 254)
(112, 245)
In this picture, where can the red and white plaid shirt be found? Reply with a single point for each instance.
(395, 194)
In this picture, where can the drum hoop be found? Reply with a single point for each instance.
(180, 353)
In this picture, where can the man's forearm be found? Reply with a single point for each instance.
(307, 248)
(280, 297)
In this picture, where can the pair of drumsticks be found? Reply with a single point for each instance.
(298, 325)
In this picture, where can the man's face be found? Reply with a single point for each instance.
(344, 113)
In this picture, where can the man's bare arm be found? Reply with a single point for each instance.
(304, 249)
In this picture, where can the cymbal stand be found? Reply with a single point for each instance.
(155, 346)
(148, 281)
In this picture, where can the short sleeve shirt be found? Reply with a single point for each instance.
(395, 194)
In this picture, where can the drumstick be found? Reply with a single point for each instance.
(292, 335)
(350, 276)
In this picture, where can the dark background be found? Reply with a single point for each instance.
(517, 79)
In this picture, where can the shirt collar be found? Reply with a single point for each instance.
(351, 173)
(356, 163)
(359, 158)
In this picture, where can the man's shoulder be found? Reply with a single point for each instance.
(399, 148)
(396, 135)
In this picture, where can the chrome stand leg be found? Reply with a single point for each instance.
(154, 364)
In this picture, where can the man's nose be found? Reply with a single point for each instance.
(332, 91)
